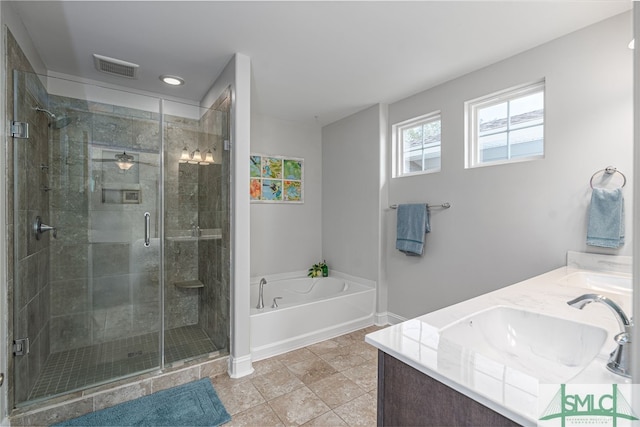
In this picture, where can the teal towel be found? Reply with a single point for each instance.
(412, 224)
(606, 218)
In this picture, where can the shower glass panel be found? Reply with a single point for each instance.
(197, 232)
(87, 293)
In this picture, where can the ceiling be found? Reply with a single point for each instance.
(311, 61)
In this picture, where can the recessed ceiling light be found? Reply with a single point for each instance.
(172, 80)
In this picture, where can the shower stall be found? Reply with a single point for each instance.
(120, 242)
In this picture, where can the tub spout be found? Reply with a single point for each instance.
(260, 293)
(620, 358)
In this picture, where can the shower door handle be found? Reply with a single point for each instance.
(147, 229)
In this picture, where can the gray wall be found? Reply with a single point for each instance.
(287, 237)
(511, 222)
(350, 200)
(507, 222)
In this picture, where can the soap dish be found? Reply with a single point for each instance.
(189, 284)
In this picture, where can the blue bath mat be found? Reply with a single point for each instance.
(192, 404)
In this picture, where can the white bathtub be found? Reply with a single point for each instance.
(311, 310)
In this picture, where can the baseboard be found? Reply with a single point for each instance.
(381, 319)
(392, 319)
(284, 346)
(240, 366)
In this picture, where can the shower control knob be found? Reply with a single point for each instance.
(39, 228)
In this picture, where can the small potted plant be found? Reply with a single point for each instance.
(319, 270)
(315, 271)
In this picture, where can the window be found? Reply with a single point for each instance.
(506, 127)
(417, 143)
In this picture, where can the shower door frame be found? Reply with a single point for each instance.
(4, 259)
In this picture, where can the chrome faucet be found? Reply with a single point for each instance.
(260, 294)
(620, 358)
(275, 302)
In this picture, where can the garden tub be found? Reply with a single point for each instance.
(308, 310)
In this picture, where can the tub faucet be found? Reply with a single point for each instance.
(260, 294)
(620, 358)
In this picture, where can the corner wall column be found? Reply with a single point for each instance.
(240, 352)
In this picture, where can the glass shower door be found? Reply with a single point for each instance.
(197, 231)
(87, 292)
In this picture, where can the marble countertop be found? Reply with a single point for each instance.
(508, 391)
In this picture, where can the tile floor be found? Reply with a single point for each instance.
(331, 383)
(81, 367)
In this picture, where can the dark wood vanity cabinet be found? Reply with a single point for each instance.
(407, 397)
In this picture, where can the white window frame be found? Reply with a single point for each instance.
(398, 144)
(472, 151)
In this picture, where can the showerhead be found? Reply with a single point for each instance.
(55, 122)
(60, 122)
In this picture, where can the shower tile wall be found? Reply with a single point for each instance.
(31, 295)
(181, 220)
(104, 285)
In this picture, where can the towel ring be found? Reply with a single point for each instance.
(609, 170)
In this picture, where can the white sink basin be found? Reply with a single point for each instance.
(602, 282)
(548, 348)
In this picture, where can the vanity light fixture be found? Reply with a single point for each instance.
(632, 44)
(208, 158)
(185, 156)
(172, 80)
(196, 157)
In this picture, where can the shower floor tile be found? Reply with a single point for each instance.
(81, 367)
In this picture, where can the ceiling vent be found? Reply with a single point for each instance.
(115, 67)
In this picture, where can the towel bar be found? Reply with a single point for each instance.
(609, 170)
(445, 205)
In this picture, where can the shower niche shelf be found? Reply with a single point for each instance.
(188, 236)
(189, 284)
